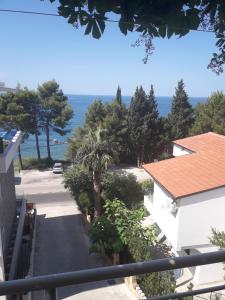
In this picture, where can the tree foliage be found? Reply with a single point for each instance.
(152, 19)
(218, 238)
(95, 115)
(120, 228)
(111, 231)
(55, 110)
(125, 187)
(144, 125)
(21, 110)
(78, 180)
(209, 116)
(137, 132)
(96, 154)
(181, 117)
(116, 126)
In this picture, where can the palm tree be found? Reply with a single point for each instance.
(96, 154)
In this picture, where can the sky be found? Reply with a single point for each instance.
(34, 49)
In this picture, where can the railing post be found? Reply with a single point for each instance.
(51, 294)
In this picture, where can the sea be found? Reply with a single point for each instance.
(80, 104)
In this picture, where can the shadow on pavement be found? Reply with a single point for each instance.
(62, 245)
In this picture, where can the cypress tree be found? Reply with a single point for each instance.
(138, 131)
(181, 117)
(115, 124)
(153, 125)
(118, 95)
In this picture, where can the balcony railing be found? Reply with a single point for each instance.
(50, 283)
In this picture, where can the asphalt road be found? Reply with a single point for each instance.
(62, 244)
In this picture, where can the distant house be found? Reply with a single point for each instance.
(189, 199)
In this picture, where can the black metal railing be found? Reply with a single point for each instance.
(50, 283)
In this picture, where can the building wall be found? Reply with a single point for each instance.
(178, 150)
(161, 211)
(209, 273)
(9, 153)
(191, 227)
(198, 215)
(7, 205)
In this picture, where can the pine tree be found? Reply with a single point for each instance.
(209, 116)
(21, 110)
(95, 115)
(181, 117)
(55, 112)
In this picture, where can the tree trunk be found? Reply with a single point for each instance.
(142, 156)
(20, 158)
(97, 191)
(37, 147)
(138, 160)
(48, 142)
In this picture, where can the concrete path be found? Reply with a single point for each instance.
(38, 182)
(61, 242)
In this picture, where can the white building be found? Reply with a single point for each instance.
(189, 199)
(8, 203)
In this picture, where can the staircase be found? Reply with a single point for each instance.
(9, 253)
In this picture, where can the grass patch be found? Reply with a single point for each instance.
(30, 163)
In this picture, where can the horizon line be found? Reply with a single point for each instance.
(110, 95)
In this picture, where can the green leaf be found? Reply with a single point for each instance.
(170, 32)
(123, 26)
(96, 33)
(89, 27)
(162, 31)
(91, 5)
(101, 25)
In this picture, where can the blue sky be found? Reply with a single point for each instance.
(38, 48)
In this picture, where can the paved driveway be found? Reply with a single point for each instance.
(62, 246)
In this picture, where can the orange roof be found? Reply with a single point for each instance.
(193, 173)
(203, 142)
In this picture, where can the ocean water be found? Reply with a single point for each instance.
(80, 104)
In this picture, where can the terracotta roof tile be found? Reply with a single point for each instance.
(202, 142)
(193, 173)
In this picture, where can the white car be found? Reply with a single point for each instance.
(57, 168)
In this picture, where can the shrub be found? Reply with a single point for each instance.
(78, 180)
(84, 202)
(112, 230)
(125, 187)
(30, 163)
(147, 186)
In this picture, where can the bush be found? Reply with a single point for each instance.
(147, 186)
(78, 180)
(112, 230)
(139, 245)
(124, 187)
(30, 163)
(85, 202)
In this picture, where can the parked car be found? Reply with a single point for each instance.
(57, 168)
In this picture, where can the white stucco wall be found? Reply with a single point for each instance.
(162, 215)
(198, 214)
(178, 150)
(8, 155)
(209, 273)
